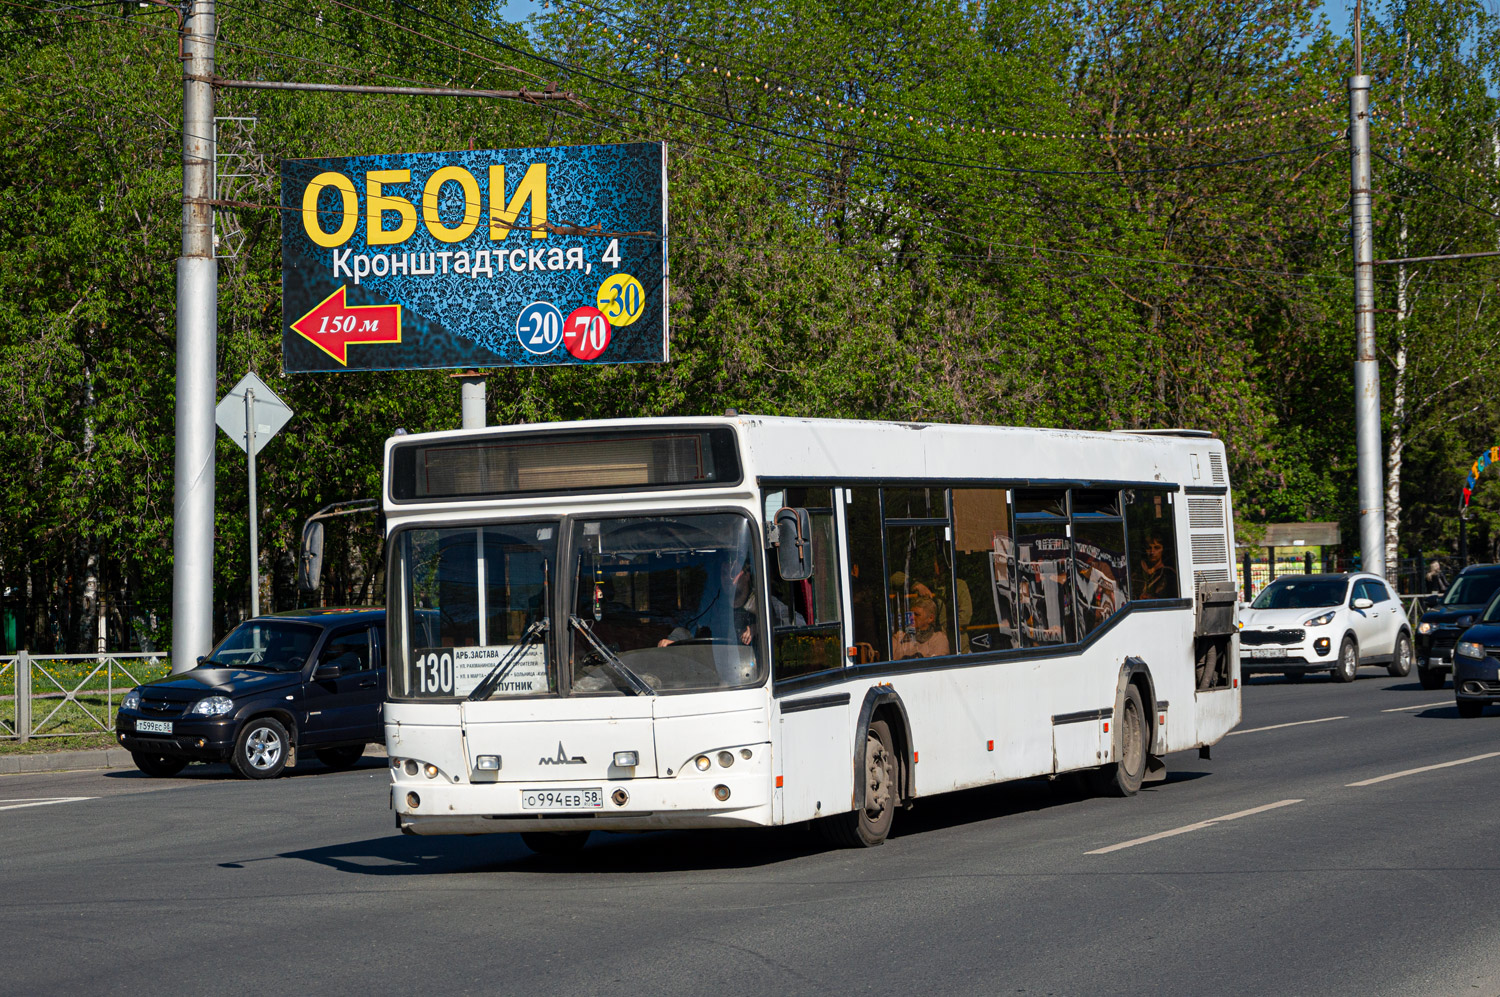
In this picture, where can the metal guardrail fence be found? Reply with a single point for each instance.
(56, 695)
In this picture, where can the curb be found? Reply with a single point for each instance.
(66, 761)
(93, 760)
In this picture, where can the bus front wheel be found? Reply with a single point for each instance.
(868, 826)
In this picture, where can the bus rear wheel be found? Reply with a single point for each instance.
(870, 824)
(1123, 777)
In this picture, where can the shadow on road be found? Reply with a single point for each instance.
(684, 851)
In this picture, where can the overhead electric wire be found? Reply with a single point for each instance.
(840, 146)
(962, 124)
(1432, 183)
(1030, 261)
(1141, 261)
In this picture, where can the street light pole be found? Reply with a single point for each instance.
(197, 361)
(1366, 367)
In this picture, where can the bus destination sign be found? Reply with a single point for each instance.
(510, 257)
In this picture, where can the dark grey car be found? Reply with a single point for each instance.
(1440, 626)
(310, 679)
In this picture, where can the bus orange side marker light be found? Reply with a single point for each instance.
(778, 782)
(1236, 683)
(1106, 726)
(990, 746)
(914, 758)
(1162, 719)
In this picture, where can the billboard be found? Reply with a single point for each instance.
(510, 257)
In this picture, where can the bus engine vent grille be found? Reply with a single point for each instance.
(1206, 513)
(1216, 467)
(1210, 548)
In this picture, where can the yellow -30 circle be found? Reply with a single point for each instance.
(622, 299)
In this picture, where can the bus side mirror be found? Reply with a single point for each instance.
(310, 560)
(793, 543)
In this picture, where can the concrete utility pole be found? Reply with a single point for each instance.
(472, 398)
(197, 359)
(1366, 368)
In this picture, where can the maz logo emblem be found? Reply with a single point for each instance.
(562, 758)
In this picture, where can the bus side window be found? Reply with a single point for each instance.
(1151, 528)
(1099, 556)
(984, 562)
(806, 625)
(867, 576)
(1044, 565)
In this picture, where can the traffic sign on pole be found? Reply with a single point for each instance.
(251, 414)
(271, 413)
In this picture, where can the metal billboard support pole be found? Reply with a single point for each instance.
(1366, 367)
(254, 524)
(472, 396)
(197, 362)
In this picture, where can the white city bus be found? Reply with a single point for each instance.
(715, 622)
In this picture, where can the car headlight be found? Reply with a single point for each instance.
(1318, 621)
(1470, 649)
(1425, 627)
(213, 706)
(132, 700)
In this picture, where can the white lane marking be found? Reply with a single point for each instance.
(1297, 723)
(1192, 827)
(1424, 706)
(1424, 768)
(42, 802)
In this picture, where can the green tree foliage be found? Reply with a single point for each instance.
(1088, 213)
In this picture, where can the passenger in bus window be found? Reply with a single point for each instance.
(1155, 579)
(922, 638)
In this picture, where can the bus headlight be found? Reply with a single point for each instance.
(726, 759)
(702, 762)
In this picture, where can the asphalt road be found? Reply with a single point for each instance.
(1299, 860)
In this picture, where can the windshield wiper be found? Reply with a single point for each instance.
(632, 682)
(505, 665)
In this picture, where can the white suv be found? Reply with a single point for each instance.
(1335, 623)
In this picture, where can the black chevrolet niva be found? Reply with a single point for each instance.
(312, 679)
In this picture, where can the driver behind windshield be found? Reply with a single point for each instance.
(726, 609)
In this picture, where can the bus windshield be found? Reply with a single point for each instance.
(670, 602)
(475, 610)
